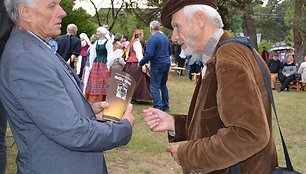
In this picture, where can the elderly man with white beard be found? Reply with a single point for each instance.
(229, 118)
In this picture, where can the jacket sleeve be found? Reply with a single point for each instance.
(240, 105)
(76, 47)
(150, 50)
(92, 54)
(302, 68)
(138, 50)
(38, 88)
(110, 54)
(180, 131)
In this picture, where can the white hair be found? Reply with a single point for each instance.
(72, 29)
(209, 11)
(155, 25)
(12, 8)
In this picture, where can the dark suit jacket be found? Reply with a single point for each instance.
(52, 122)
(68, 45)
(229, 119)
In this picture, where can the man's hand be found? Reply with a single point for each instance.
(71, 59)
(158, 120)
(128, 114)
(98, 109)
(144, 69)
(173, 151)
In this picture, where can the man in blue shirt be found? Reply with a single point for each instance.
(158, 52)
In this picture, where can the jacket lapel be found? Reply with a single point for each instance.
(70, 73)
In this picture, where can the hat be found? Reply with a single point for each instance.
(103, 31)
(173, 6)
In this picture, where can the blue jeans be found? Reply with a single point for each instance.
(158, 86)
(3, 147)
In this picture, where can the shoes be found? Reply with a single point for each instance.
(280, 90)
(166, 110)
(287, 89)
(179, 72)
(273, 88)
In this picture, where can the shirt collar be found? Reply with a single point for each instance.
(209, 49)
(39, 38)
(211, 45)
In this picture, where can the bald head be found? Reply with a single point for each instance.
(72, 29)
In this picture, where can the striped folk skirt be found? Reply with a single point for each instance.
(98, 82)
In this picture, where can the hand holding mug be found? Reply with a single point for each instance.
(128, 115)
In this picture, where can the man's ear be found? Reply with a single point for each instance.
(200, 18)
(24, 13)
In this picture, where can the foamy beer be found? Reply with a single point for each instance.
(120, 93)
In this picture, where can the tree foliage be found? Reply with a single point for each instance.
(78, 16)
(279, 20)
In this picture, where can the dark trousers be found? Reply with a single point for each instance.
(194, 68)
(3, 147)
(180, 63)
(286, 81)
(158, 86)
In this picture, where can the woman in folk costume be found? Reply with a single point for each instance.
(88, 63)
(102, 53)
(142, 91)
(85, 43)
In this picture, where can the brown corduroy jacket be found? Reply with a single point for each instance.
(229, 119)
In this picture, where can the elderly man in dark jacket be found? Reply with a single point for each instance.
(229, 118)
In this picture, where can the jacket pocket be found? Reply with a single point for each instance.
(210, 122)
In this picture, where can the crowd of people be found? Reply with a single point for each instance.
(93, 59)
(285, 71)
(53, 90)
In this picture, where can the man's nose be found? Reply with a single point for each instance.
(62, 12)
(174, 37)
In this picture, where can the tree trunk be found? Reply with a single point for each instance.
(299, 31)
(248, 23)
(96, 11)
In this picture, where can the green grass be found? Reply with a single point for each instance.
(145, 154)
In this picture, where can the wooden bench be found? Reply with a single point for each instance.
(195, 77)
(297, 85)
(175, 68)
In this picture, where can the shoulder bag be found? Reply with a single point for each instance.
(278, 170)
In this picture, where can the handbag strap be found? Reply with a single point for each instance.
(247, 42)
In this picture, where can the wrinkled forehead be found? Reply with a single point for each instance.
(42, 2)
(177, 16)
